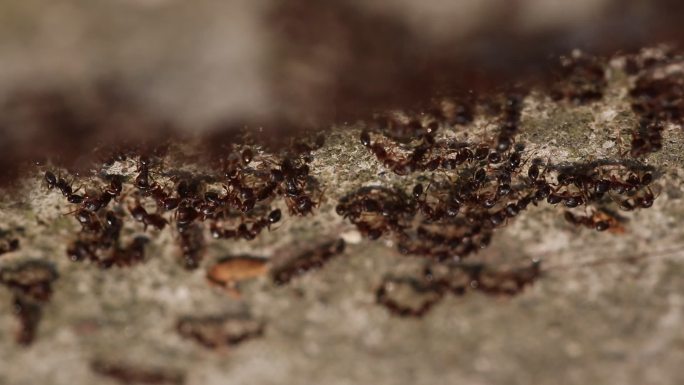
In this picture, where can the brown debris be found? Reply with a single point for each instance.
(229, 271)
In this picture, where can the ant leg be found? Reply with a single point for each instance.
(319, 199)
(77, 190)
(71, 212)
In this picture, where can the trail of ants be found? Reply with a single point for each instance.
(251, 182)
(485, 185)
(655, 99)
(475, 189)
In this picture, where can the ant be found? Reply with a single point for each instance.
(421, 202)
(82, 250)
(115, 185)
(221, 233)
(59, 182)
(498, 217)
(215, 332)
(634, 182)
(645, 201)
(50, 179)
(163, 199)
(95, 203)
(132, 254)
(142, 180)
(509, 126)
(569, 200)
(141, 215)
(481, 152)
(247, 156)
(640, 202)
(75, 199)
(311, 259)
(599, 221)
(192, 246)
(647, 138)
(112, 230)
(365, 139)
(272, 218)
(88, 220)
(266, 191)
(506, 282)
(188, 190)
(300, 205)
(185, 215)
(432, 292)
(245, 232)
(572, 201)
(534, 175)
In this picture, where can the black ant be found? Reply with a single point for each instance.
(647, 138)
(266, 191)
(644, 201)
(247, 156)
(141, 215)
(365, 139)
(96, 202)
(88, 220)
(185, 215)
(188, 190)
(132, 254)
(568, 200)
(300, 205)
(308, 260)
(221, 233)
(82, 250)
(243, 231)
(50, 179)
(142, 180)
(599, 221)
(163, 200)
(272, 218)
(59, 182)
(112, 230)
(432, 292)
(75, 198)
(115, 185)
(192, 245)
(572, 201)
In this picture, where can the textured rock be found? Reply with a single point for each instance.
(608, 307)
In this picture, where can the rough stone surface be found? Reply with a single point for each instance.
(607, 310)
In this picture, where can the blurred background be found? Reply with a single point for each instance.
(75, 73)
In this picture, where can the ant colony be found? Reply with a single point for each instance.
(451, 194)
